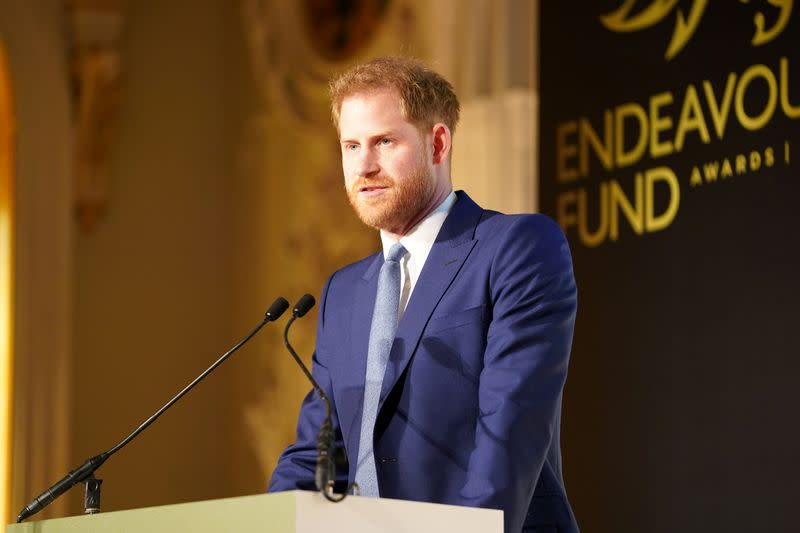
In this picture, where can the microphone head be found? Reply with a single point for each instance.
(303, 305)
(277, 309)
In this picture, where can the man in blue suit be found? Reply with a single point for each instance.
(462, 404)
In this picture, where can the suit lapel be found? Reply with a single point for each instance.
(453, 244)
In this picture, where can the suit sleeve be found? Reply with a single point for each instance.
(534, 301)
(297, 463)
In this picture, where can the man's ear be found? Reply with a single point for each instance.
(442, 143)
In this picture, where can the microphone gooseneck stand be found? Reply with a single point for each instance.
(85, 472)
(325, 473)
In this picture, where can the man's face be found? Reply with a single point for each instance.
(387, 167)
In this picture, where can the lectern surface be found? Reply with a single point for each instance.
(286, 512)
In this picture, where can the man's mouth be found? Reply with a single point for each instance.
(370, 193)
(371, 188)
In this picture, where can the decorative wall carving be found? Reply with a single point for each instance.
(296, 46)
(96, 62)
(338, 29)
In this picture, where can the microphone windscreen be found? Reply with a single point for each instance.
(303, 305)
(278, 307)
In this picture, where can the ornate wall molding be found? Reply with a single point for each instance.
(296, 46)
(96, 63)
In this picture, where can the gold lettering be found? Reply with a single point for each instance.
(566, 218)
(564, 151)
(769, 157)
(786, 151)
(791, 111)
(719, 112)
(741, 164)
(691, 119)
(618, 199)
(759, 121)
(755, 160)
(653, 222)
(727, 170)
(587, 238)
(602, 151)
(711, 170)
(696, 179)
(622, 112)
(659, 124)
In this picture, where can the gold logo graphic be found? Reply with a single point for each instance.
(622, 21)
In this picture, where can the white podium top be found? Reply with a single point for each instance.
(285, 512)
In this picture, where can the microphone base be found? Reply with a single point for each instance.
(91, 498)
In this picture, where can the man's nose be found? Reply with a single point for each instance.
(366, 164)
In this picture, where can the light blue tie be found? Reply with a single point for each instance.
(381, 337)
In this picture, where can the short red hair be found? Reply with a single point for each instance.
(425, 97)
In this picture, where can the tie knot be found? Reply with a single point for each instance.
(396, 252)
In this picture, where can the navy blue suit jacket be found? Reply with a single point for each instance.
(469, 412)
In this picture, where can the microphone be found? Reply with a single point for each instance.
(85, 472)
(325, 472)
(303, 305)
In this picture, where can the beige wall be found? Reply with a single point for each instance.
(152, 280)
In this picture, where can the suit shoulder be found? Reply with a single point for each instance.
(534, 239)
(534, 226)
(348, 273)
(338, 289)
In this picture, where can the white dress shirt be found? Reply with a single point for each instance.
(418, 243)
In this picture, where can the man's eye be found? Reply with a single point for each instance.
(385, 141)
(351, 147)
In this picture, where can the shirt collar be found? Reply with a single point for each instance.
(420, 239)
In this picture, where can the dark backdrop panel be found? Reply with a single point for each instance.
(680, 410)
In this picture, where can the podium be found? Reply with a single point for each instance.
(283, 512)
